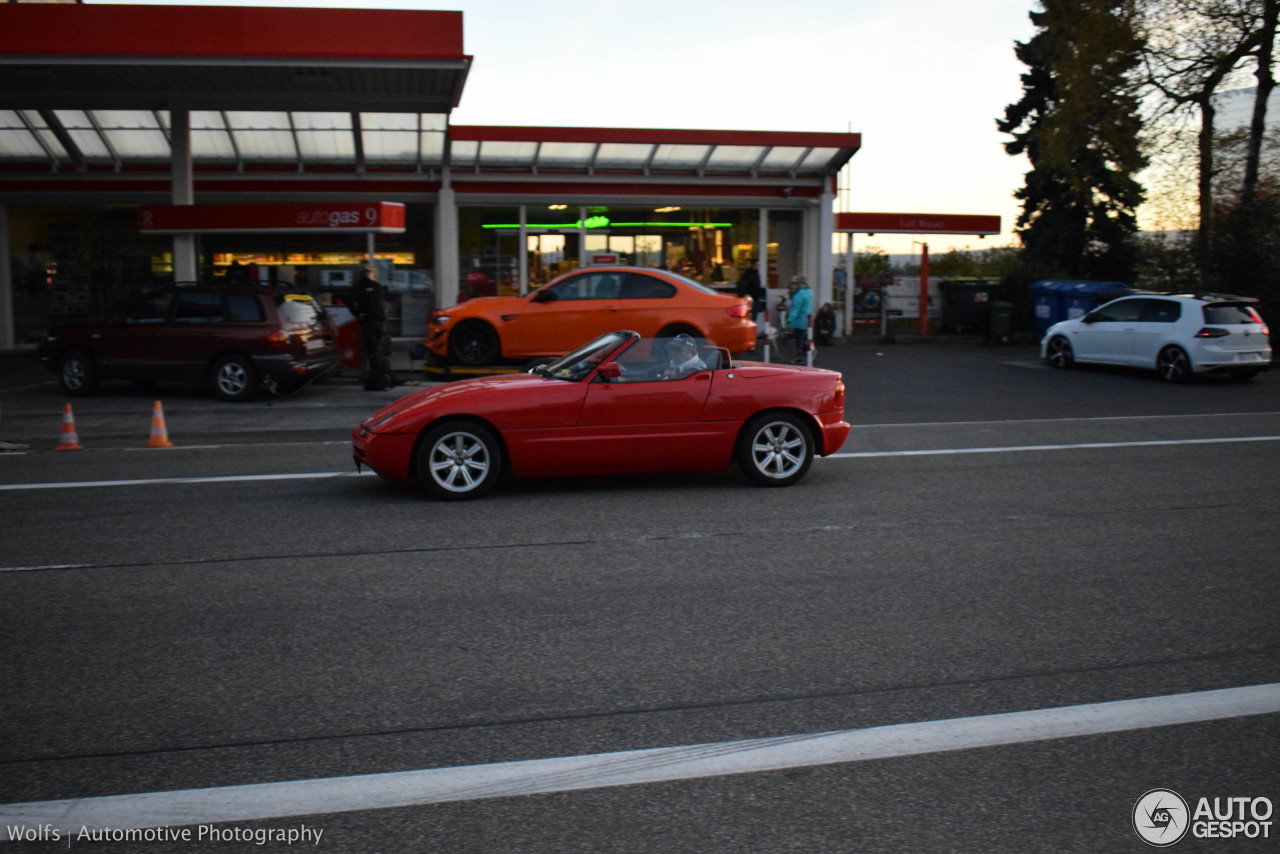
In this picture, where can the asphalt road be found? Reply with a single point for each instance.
(996, 537)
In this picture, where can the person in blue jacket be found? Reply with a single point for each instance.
(798, 311)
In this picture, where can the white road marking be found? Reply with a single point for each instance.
(847, 455)
(45, 567)
(540, 776)
(1067, 420)
(1069, 447)
(236, 478)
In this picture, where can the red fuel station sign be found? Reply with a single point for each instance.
(336, 217)
(907, 223)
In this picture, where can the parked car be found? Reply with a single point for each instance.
(233, 338)
(1175, 335)
(606, 408)
(582, 304)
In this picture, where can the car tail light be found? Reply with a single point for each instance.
(279, 338)
(739, 310)
(1212, 332)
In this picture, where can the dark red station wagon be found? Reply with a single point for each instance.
(236, 339)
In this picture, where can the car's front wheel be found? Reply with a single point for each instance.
(235, 378)
(1174, 365)
(474, 343)
(458, 460)
(1058, 352)
(78, 373)
(776, 449)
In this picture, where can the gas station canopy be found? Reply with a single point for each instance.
(93, 88)
(73, 56)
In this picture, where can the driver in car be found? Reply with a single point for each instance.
(684, 359)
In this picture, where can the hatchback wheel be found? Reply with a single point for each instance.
(235, 378)
(1059, 353)
(1174, 365)
(78, 373)
(474, 343)
(775, 450)
(459, 460)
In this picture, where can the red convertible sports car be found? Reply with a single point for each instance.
(618, 404)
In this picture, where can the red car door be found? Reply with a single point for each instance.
(650, 426)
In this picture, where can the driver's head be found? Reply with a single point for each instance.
(682, 348)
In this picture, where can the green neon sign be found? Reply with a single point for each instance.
(604, 222)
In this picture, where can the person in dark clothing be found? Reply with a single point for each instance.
(824, 324)
(749, 286)
(369, 307)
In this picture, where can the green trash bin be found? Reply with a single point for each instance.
(1000, 323)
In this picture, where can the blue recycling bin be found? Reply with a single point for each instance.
(1046, 303)
(1084, 297)
(1053, 300)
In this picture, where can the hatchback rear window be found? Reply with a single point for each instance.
(1225, 314)
(298, 308)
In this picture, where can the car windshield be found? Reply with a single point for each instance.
(582, 361)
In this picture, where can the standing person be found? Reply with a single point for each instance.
(749, 286)
(370, 309)
(798, 316)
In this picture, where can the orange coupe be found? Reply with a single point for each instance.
(582, 304)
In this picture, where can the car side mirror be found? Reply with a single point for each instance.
(610, 371)
(1089, 318)
(544, 296)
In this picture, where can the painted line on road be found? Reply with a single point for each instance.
(848, 455)
(235, 478)
(1066, 420)
(603, 770)
(1068, 447)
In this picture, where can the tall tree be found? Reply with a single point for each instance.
(1265, 57)
(1193, 48)
(1078, 124)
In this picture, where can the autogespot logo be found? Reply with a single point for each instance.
(1160, 817)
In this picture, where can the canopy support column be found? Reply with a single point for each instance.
(185, 267)
(8, 331)
(447, 248)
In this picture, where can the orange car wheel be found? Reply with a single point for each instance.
(474, 343)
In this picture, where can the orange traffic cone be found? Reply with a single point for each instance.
(68, 441)
(159, 435)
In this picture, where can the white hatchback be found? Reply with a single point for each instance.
(1175, 335)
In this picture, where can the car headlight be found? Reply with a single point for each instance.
(440, 319)
(374, 423)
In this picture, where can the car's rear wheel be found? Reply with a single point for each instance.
(1059, 353)
(78, 373)
(235, 378)
(474, 343)
(679, 329)
(775, 449)
(458, 460)
(1174, 365)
